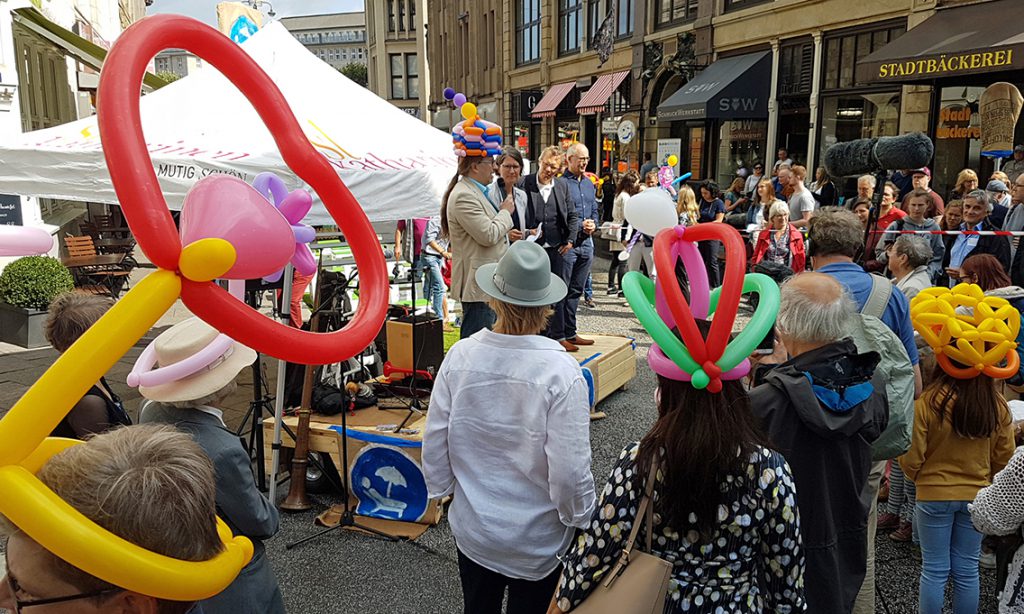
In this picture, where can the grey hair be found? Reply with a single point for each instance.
(574, 149)
(778, 208)
(917, 250)
(982, 197)
(209, 399)
(868, 179)
(803, 316)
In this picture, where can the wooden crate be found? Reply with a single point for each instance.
(325, 436)
(608, 365)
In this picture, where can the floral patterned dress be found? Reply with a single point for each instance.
(753, 563)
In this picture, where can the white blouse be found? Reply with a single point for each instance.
(508, 432)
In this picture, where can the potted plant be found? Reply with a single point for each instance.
(27, 286)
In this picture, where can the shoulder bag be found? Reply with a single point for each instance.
(638, 582)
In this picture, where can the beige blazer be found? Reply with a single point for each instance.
(478, 235)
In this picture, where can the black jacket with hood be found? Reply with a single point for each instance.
(822, 410)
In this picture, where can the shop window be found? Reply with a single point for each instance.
(741, 145)
(672, 12)
(527, 31)
(737, 5)
(858, 116)
(570, 25)
(957, 136)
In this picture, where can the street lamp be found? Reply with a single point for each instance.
(256, 5)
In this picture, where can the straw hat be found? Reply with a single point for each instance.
(183, 340)
(522, 277)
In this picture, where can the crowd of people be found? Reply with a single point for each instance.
(765, 496)
(768, 495)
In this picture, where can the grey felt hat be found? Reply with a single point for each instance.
(522, 277)
(996, 186)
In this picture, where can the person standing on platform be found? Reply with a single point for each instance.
(557, 225)
(477, 232)
(508, 436)
(579, 259)
(510, 172)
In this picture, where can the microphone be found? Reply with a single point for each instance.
(869, 156)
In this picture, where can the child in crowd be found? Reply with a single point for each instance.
(962, 437)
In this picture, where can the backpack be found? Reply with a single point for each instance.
(870, 334)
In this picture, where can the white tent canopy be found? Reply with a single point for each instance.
(396, 165)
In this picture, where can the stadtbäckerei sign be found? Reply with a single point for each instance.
(946, 65)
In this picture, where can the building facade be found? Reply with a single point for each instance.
(397, 69)
(177, 61)
(721, 83)
(336, 38)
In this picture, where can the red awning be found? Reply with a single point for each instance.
(598, 94)
(552, 98)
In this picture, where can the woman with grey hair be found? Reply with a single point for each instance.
(909, 256)
(190, 404)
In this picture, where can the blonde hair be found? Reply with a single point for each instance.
(770, 185)
(519, 319)
(151, 485)
(737, 185)
(1001, 176)
(686, 203)
(963, 177)
(70, 315)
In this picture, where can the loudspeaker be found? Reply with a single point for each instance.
(429, 350)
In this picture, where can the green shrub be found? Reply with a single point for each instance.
(33, 281)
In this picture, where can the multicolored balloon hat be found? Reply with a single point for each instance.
(230, 230)
(660, 306)
(474, 136)
(961, 324)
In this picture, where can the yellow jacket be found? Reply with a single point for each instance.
(947, 467)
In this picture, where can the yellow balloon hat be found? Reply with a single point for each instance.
(963, 325)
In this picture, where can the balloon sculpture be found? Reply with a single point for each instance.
(24, 241)
(962, 324)
(232, 232)
(475, 136)
(660, 306)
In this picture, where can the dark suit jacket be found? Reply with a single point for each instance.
(996, 246)
(566, 223)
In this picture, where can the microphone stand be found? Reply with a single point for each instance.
(876, 202)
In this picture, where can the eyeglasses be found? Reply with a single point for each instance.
(21, 604)
(510, 167)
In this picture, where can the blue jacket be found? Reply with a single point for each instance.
(584, 194)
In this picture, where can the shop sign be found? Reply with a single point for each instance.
(609, 126)
(626, 131)
(526, 103)
(948, 64)
(747, 130)
(10, 210)
(955, 123)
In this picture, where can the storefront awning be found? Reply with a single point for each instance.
(960, 40)
(82, 49)
(599, 93)
(731, 88)
(552, 98)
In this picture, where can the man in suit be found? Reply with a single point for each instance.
(580, 258)
(555, 215)
(478, 234)
(189, 404)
